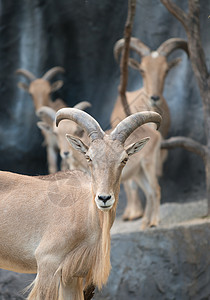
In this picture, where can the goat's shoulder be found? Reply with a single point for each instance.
(61, 175)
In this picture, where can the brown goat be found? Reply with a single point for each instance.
(40, 89)
(71, 159)
(143, 172)
(60, 225)
(154, 68)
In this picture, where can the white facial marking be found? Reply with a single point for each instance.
(105, 206)
(154, 54)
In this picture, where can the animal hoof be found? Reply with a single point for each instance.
(131, 217)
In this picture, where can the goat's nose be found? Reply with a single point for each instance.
(104, 198)
(66, 153)
(155, 98)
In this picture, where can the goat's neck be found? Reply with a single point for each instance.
(101, 267)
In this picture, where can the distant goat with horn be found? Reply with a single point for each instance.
(60, 224)
(40, 89)
(153, 68)
(71, 159)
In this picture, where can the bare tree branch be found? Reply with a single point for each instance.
(197, 57)
(195, 45)
(125, 56)
(177, 12)
(186, 143)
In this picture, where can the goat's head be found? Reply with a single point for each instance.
(154, 65)
(106, 155)
(40, 89)
(47, 124)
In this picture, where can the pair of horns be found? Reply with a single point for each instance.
(93, 129)
(46, 112)
(47, 76)
(165, 49)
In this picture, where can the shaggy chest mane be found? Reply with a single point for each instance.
(91, 259)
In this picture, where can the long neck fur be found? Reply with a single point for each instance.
(92, 261)
(100, 270)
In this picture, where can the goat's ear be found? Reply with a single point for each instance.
(56, 85)
(45, 127)
(23, 86)
(174, 63)
(136, 147)
(133, 63)
(76, 143)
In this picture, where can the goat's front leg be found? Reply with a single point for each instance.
(148, 182)
(73, 290)
(64, 165)
(45, 285)
(134, 208)
(52, 160)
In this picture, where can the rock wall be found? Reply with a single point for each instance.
(160, 264)
(79, 35)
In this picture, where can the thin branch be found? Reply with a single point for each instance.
(195, 44)
(125, 56)
(186, 143)
(177, 12)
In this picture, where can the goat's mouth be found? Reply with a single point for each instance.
(105, 207)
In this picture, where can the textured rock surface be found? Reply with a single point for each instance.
(161, 264)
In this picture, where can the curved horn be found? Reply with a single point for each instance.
(129, 124)
(172, 44)
(135, 45)
(84, 120)
(25, 73)
(83, 105)
(52, 72)
(46, 113)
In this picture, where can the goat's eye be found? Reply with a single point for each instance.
(88, 158)
(124, 161)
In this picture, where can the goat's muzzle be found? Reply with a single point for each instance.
(104, 201)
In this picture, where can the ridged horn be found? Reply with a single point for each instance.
(46, 113)
(84, 120)
(26, 74)
(129, 124)
(172, 44)
(83, 105)
(135, 45)
(52, 72)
